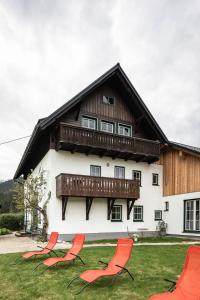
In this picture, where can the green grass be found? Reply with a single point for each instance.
(4, 231)
(149, 265)
(164, 239)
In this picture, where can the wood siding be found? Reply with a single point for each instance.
(93, 106)
(181, 172)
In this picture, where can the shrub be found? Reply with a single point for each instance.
(4, 231)
(12, 221)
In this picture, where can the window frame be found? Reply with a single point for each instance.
(158, 219)
(95, 166)
(138, 220)
(121, 167)
(108, 97)
(157, 177)
(194, 211)
(89, 118)
(118, 220)
(107, 122)
(166, 206)
(124, 125)
(140, 172)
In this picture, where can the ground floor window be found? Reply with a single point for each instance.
(192, 215)
(158, 215)
(116, 214)
(138, 213)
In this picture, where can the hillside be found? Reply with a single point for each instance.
(6, 196)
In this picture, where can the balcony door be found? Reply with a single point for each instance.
(192, 215)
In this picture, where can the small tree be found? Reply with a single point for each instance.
(31, 194)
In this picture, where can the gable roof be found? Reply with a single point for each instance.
(45, 123)
(187, 148)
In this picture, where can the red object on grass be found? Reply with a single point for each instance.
(47, 249)
(188, 284)
(71, 254)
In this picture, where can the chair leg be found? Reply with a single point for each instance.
(37, 267)
(81, 259)
(68, 285)
(129, 274)
(79, 292)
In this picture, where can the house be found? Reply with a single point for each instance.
(109, 165)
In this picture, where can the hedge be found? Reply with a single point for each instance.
(12, 221)
(4, 231)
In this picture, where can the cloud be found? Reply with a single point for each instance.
(50, 50)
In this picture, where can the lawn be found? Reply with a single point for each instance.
(149, 265)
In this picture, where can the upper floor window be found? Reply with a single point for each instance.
(89, 123)
(108, 100)
(119, 172)
(137, 175)
(155, 179)
(107, 126)
(95, 170)
(124, 130)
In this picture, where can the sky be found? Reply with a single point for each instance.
(50, 50)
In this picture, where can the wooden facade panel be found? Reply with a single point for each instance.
(181, 172)
(93, 106)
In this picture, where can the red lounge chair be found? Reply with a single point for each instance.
(114, 268)
(47, 249)
(70, 256)
(188, 284)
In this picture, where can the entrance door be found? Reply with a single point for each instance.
(192, 215)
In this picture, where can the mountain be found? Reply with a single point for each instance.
(6, 196)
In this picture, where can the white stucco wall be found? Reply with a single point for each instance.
(65, 162)
(175, 216)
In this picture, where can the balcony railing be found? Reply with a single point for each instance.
(97, 142)
(91, 186)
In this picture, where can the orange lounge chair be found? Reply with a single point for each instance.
(188, 284)
(114, 268)
(45, 250)
(70, 256)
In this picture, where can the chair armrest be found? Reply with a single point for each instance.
(172, 288)
(102, 262)
(40, 247)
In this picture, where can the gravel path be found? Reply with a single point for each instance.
(12, 244)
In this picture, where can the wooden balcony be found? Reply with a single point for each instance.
(91, 186)
(77, 139)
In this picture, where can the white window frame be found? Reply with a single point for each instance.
(93, 169)
(141, 213)
(155, 179)
(124, 127)
(107, 123)
(119, 212)
(88, 119)
(119, 174)
(138, 176)
(192, 215)
(156, 218)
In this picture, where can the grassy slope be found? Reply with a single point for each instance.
(149, 266)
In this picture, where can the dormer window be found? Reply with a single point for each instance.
(108, 100)
(89, 123)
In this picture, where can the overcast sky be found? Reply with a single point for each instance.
(50, 50)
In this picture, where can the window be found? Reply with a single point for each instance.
(154, 179)
(108, 100)
(192, 215)
(107, 126)
(120, 172)
(89, 123)
(158, 215)
(116, 214)
(138, 213)
(124, 130)
(137, 175)
(95, 171)
(166, 206)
